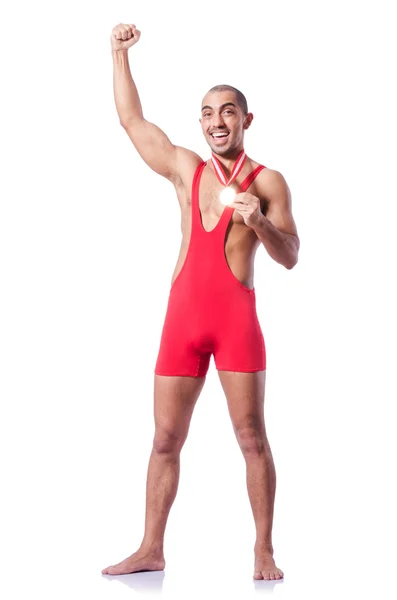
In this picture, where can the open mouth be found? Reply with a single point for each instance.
(220, 136)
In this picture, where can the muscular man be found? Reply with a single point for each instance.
(211, 307)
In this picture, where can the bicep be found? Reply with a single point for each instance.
(154, 147)
(279, 210)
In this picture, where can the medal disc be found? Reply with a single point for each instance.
(227, 195)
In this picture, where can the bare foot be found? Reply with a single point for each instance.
(265, 567)
(139, 561)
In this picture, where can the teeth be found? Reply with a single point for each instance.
(219, 134)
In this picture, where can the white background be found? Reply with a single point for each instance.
(89, 237)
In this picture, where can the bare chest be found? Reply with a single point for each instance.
(210, 208)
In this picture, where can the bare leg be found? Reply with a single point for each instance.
(174, 401)
(245, 394)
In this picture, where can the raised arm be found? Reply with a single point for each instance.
(151, 142)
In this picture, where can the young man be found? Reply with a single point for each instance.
(211, 307)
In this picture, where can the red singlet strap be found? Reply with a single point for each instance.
(250, 178)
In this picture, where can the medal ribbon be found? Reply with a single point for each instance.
(238, 165)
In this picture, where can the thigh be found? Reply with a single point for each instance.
(179, 354)
(174, 401)
(240, 343)
(245, 394)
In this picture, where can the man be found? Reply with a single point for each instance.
(211, 307)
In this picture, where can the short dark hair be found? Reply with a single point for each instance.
(241, 99)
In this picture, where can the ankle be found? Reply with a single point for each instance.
(263, 548)
(153, 548)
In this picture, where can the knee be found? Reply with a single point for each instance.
(252, 440)
(167, 441)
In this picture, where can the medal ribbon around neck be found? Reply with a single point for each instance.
(238, 165)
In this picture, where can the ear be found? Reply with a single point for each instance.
(248, 120)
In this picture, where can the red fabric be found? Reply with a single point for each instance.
(209, 310)
(250, 178)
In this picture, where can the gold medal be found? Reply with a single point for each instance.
(227, 195)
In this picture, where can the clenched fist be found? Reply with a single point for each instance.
(124, 36)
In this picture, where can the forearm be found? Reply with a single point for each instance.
(282, 247)
(126, 96)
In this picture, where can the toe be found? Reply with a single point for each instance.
(258, 575)
(266, 575)
(112, 570)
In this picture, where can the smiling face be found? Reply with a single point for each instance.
(223, 122)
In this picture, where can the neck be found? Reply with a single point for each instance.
(228, 160)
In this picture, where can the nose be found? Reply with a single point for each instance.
(217, 121)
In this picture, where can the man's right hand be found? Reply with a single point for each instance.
(124, 36)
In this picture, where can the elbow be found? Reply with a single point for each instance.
(125, 124)
(291, 264)
(293, 256)
(130, 122)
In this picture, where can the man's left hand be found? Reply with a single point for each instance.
(248, 206)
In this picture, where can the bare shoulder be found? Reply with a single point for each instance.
(274, 188)
(187, 162)
(273, 185)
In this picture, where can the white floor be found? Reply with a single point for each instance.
(310, 573)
